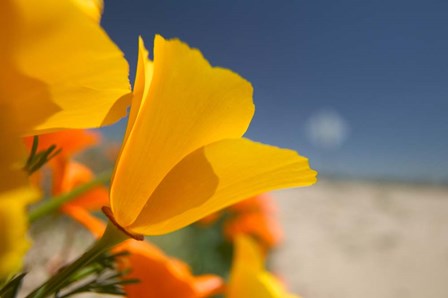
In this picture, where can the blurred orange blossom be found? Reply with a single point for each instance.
(159, 275)
(256, 217)
(68, 173)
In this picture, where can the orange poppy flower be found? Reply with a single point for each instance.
(261, 204)
(71, 141)
(76, 174)
(67, 173)
(256, 217)
(159, 275)
(263, 228)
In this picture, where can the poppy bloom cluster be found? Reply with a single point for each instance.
(183, 155)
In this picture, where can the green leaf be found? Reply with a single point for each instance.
(12, 287)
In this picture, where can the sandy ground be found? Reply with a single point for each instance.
(364, 240)
(342, 240)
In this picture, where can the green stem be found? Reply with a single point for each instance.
(111, 237)
(52, 204)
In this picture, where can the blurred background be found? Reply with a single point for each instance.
(360, 88)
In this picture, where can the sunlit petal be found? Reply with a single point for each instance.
(189, 104)
(216, 176)
(142, 83)
(59, 68)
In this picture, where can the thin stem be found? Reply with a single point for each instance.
(111, 237)
(52, 204)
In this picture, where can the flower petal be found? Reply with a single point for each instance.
(155, 277)
(13, 228)
(76, 174)
(248, 277)
(208, 285)
(189, 104)
(216, 176)
(71, 141)
(59, 66)
(92, 8)
(247, 268)
(263, 227)
(15, 195)
(159, 274)
(163, 276)
(142, 82)
(12, 151)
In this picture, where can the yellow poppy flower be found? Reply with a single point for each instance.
(15, 195)
(13, 228)
(59, 68)
(183, 156)
(248, 277)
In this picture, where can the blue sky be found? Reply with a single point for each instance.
(381, 66)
